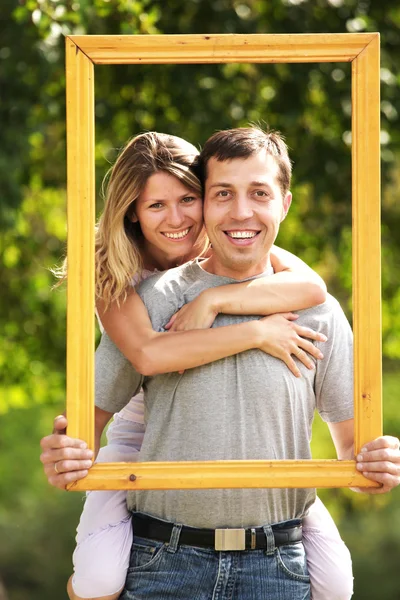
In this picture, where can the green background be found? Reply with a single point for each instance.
(310, 104)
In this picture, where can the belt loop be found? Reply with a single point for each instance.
(253, 539)
(174, 539)
(269, 534)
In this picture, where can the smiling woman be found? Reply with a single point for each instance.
(148, 188)
(171, 221)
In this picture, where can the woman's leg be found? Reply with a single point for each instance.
(101, 556)
(104, 534)
(73, 596)
(328, 558)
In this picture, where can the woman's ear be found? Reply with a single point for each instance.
(131, 214)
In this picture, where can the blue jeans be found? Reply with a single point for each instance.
(162, 571)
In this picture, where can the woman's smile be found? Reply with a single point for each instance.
(177, 235)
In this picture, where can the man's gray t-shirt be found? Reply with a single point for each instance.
(248, 406)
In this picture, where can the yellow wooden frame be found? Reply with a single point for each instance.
(362, 50)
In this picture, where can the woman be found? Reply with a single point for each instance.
(153, 221)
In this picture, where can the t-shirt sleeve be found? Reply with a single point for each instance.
(116, 381)
(334, 373)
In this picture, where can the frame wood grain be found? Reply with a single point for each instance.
(82, 52)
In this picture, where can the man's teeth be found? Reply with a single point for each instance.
(242, 234)
(178, 235)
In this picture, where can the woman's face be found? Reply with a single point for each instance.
(171, 219)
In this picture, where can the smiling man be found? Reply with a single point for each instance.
(241, 544)
(246, 198)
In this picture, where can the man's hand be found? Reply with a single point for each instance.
(380, 461)
(65, 459)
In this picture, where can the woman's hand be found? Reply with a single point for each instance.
(200, 313)
(283, 338)
(65, 459)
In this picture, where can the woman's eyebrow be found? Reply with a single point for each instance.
(164, 198)
(189, 193)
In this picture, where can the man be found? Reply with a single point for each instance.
(244, 407)
(247, 406)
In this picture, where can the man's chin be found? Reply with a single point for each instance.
(240, 267)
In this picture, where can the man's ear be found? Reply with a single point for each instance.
(286, 205)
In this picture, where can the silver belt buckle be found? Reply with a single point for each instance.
(230, 539)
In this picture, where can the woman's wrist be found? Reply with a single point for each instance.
(254, 333)
(212, 300)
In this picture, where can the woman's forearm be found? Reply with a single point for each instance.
(156, 353)
(293, 286)
(152, 353)
(281, 292)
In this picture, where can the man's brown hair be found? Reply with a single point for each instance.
(243, 142)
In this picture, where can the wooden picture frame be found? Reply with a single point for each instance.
(362, 50)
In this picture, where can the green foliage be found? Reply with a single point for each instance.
(310, 103)
(37, 523)
(33, 319)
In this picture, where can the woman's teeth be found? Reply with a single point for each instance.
(178, 235)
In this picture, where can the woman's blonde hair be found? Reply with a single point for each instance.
(117, 251)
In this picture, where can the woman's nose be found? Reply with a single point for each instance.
(175, 216)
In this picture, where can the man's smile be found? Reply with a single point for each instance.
(241, 237)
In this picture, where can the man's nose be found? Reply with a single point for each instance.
(241, 208)
(175, 216)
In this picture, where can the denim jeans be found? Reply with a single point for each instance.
(169, 571)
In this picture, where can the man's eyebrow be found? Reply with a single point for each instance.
(221, 184)
(260, 183)
(230, 185)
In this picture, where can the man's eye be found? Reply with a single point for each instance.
(261, 194)
(223, 194)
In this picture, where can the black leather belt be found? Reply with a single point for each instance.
(219, 539)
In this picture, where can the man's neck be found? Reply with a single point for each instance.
(213, 266)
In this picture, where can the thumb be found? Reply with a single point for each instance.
(290, 316)
(60, 425)
(170, 322)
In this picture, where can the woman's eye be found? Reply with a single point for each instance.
(156, 205)
(188, 199)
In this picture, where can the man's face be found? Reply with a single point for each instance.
(243, 208)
